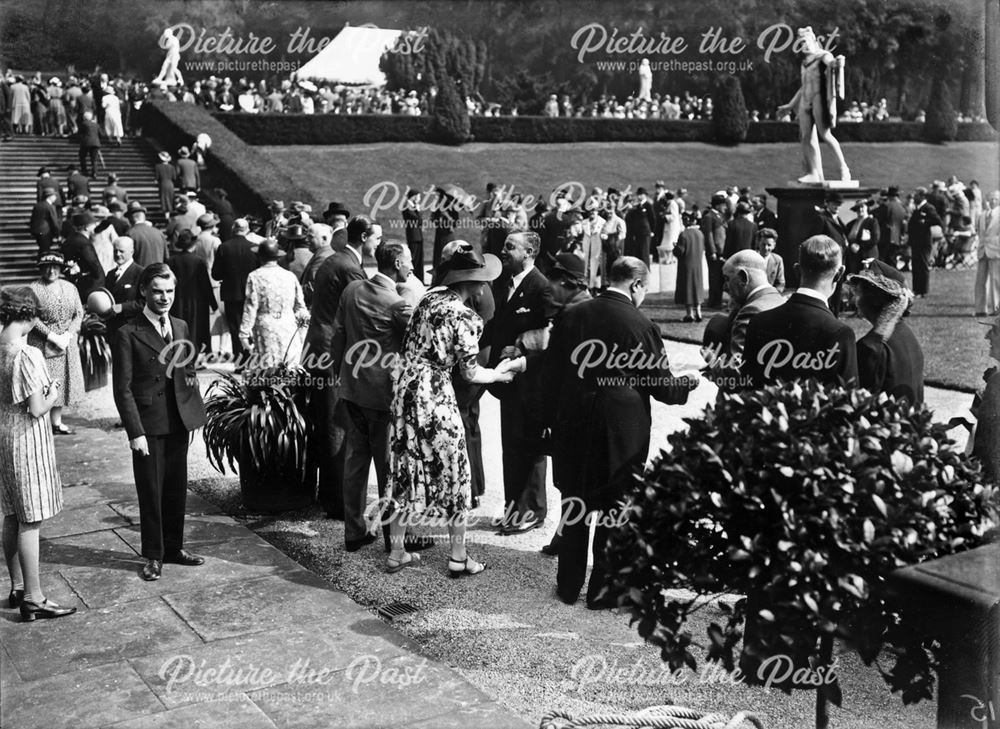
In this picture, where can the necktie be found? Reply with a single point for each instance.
(165, 329)
(510, 289)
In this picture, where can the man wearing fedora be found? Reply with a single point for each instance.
(295, 241)
(114, 191)
(188, 175)
(159, 407)
(45, 223)
(234, 260)
(165, 174)
(77, 184)
(150, 244)
(828, 223)
(84, 267)
(333, 276)
(47, 181)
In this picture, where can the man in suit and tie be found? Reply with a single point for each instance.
(713, 228)
(601, 418)
(150, 243)
(640, 222)
(745, 277)
(828, 223)
(45, 222)
(47, 181)
(368, 330)
(85, 269)
(763, 217)
(330, 417)
(90, 144)
(802, 338)
(891, 217)
(188, 175)
(234, 261)
(320, 239)
(922, 239)
(740, 232)
(123, 283)
(77, 184)
(159, 405)
(524, 308)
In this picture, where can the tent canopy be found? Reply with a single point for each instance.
(352, 57)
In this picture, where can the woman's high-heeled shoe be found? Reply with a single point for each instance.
(15, 598)
(463, 568)
(31, 611)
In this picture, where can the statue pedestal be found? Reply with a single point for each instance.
(797, 203)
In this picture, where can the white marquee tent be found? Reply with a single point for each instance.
(352, 57)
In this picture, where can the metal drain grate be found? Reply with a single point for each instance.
(396, 609)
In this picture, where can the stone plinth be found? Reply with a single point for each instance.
(796, 211)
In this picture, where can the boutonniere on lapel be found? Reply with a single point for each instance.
(522, 310)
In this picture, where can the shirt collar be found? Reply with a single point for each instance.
(616, 292)
(357, 254)
(153, 318)
(516, 280)
(813, 293)
(759, 288)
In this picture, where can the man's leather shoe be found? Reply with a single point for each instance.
(184, 557)
(551, 549)
(353, 545)
(151, 571)
(46, 611)
(520, 527)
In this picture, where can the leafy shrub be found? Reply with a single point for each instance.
(941, 123)
(451, 115)
(804, 499)
(730, 120)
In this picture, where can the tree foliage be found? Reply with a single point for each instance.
(941, 125)
(451, 115)
(730, 120)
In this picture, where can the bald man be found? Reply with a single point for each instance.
(744, 276)
(122, 281)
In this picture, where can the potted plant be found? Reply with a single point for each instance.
(258, 425)
(804, 499)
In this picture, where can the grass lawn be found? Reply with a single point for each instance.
(954, 350)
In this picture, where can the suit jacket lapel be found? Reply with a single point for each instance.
(147, 333)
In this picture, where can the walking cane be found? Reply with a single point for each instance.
(100, 156)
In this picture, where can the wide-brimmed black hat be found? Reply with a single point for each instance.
(336, 208)
(834, 197)
(571, 266)
(468, 264)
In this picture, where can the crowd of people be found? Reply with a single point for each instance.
(506, 312)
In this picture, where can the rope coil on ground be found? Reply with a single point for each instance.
(655, 717)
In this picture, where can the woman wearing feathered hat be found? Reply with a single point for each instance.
(428, 460)
(889, 356)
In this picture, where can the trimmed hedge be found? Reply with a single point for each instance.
(250, 178)
(325, 129)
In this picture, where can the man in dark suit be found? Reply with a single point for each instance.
(85, 270)
(828, 223)
(763, 216)
(45, 223)
(330, 416)
(77, 184)
(123, 283)
(188, 176)
(159, 404)
(713, 228)
(524, 307)
(234, 261)
(924, 217)
(740, 232)
(150, 243)
(114, 190)
(601, 420)
(640, 222)
(367, 331)
(802, 338)
(891, 217)
(165, 175)
(46, 181)
(413, 224)
(90, 144)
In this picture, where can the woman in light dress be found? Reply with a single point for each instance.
(113, 117)
(273, 312)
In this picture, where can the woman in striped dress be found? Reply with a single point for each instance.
(30, 489)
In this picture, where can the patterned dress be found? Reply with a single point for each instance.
(271, 313)
(60, 311)
(30, 487)
(428, 458)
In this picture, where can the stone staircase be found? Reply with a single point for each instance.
(20, 160)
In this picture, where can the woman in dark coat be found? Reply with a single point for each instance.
(194, 295)
(690, 252)
(227, 216)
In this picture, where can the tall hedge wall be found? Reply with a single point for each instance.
(249, 177)
(323, 129)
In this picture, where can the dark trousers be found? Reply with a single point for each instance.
(715, 282)
(234, 315)
(367, 440)
(523, 465)
(921, 263)
(330, 420)
(44, 242)
(638, 245)
(91, 154)
(161, 484)
(836, 302)
(573, 553)
(469, 411)
(417, 254)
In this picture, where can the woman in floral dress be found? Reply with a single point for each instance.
(30, 489)
(60, 315)
(428, 459)
(273, 312)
